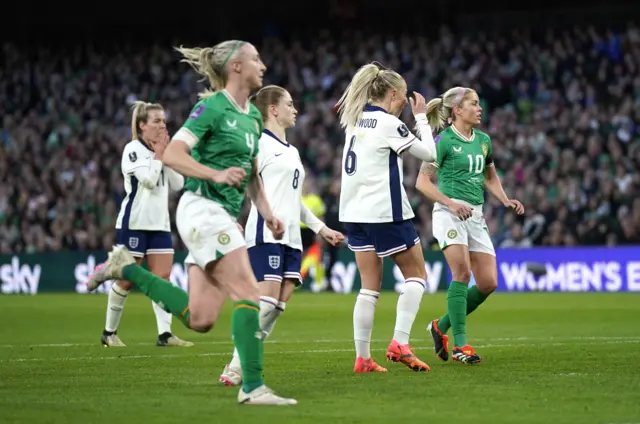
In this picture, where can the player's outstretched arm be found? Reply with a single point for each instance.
(309, 219)
(256, 193)
(493, 185)
(333, 237)
(425, 186)
(177, 157)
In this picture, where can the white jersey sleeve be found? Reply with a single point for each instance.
(146, 183)
(176, 180)
(396, 134)
(309, 219)
(282, 174)
(372, 169)
(135, 161)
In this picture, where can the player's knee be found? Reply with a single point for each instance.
(201, 324)
(487, 286)
(461, 274)
(201, 328)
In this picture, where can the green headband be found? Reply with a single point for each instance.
(233, 50)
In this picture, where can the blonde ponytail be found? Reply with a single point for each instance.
(440, 109)
(370, 83)
(141, 114)
(211, 63)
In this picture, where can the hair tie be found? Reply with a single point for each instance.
(459, 96)
(233, 50)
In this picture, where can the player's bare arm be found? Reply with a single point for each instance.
(256, 193)
(425, 186)
(177, 157)
(493, 185)
(317, 226)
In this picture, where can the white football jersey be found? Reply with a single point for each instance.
(282, 174)
(147, 183)
(372, 175)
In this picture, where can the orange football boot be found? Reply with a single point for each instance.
(367, 365)
(403, 353)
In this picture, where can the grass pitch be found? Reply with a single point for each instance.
(548, 358)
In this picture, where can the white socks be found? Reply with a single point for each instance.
(270, 310)
(117, 297)
(363, 313)
(163, 319)
(269, 313)
(407, 309)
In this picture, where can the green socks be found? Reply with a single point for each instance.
(247, 336)
(457, 311)
(171, 298)
(245, 320)
(474, 299)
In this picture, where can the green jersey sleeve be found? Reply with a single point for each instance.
(202, 121)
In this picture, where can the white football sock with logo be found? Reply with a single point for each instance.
(407, 308)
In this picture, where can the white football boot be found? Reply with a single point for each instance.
(231, 376)
(263, 396)
(119, 257)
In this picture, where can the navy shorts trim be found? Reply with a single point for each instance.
(275, 262)
(385, 238)
(141, 243)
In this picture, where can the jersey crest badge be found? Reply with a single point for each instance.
(403, 130)
(274, 262)
(133, 157)
(452, 234)
(223, 238)
(485, 149)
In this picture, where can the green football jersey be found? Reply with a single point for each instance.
(461, 164)
(227, 137)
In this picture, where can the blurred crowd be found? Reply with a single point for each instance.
(562, 108)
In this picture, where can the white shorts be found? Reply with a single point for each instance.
(448, 229)
(208, 231)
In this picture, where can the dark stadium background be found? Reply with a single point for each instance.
(595, 212)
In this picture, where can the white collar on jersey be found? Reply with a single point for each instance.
(459, 134)
(275, 137)
(235, 104)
